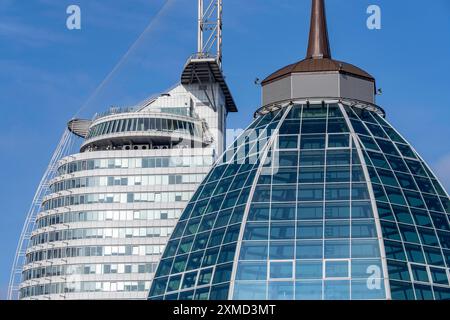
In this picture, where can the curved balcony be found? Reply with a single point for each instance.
(145, 130)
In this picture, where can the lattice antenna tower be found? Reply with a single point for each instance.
(210, 29)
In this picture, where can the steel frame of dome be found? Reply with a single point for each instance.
(441, 291)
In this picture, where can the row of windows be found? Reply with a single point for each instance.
(101, 233)
(377, 126)
(310, 269)
(414, 253)
(148, 180)
(62, 288)
(314, 141)
(329, 229)
(313, 126)
(109, 215)
(309, 249)
(308, 158)
(314, 211)
(145, 124)
(411, 216)
(311, 192)
(94, 251)
(417, 273)
(389, 166)
(310, 290)
(407, 198)
(314, 111)
(417, 235)
(70, 270)
(330, 174)
(165, 197)
(130, 163)
(404, 180)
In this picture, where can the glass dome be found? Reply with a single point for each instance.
(315, 201)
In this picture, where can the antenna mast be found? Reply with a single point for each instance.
(210, 29)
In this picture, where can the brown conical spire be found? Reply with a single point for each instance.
(319, 45)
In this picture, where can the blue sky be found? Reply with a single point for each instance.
(47, 73)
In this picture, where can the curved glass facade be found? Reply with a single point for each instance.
(314, 201)
(103, 227)
(145, 124)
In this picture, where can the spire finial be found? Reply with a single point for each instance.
(319, 45)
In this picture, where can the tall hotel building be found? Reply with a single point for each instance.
(110, 208)
(320, 199)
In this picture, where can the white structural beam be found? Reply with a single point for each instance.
(15, 279)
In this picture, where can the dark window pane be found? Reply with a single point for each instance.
(398, 271)
(406, 181)
(402, 290)
(359, 127)
(338, 157)
(416, 167)
(281, 250)
(287, 159)
(310, 192)
(282, 230)
(394, 250)
(337, 229)
(390, 231)
(361, 210)
(337, 126)
(409, 234)
(414, 253)
(315, 111)
(310, 211)
(309, 249)
(290, 127)
(339, 210)
(406, 150)
(312, 158)
(312, 142)
(284, 193)
(338, 141)
(252, 271)
(439, 276)
(378, 160)
(397, 164)
(422, 218)
(434, 256)
(283, 212)
(376, 130)
(314, 126)
(256, 231)
(311, 175)
(310, 230)
(387, 147)
(338, 174)
(402, 214)
(288, 142)
(387, 177)
(223, 273)
(364, 229)
(395, 196)
(251, 250)
(259, 212)
(338, 192)
(414, 199)
(428, 237)
(337, 249)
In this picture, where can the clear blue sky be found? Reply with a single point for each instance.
(48, 72)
